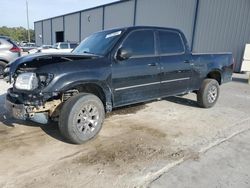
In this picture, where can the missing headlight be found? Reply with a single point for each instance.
(45, 79)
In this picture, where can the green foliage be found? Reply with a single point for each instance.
(17, 33)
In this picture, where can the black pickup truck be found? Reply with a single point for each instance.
(110, 69)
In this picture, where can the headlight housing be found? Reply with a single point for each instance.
(26, 81)
(45, 79)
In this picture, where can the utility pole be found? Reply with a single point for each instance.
(27, 12)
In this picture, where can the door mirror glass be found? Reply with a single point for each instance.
(123, 54)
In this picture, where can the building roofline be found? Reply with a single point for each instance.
(79, 11)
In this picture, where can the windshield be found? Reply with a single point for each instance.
(98, 43)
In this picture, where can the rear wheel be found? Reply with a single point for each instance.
(81, 118)
(208, 94)
(2, 66)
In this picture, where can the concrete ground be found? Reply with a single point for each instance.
(226, 165)
(159, 144)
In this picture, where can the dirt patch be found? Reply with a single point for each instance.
(154, 132)
(3, 132)
(134, 147)
(120, 153)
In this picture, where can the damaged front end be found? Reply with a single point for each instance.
(33, 107)
(26, 100)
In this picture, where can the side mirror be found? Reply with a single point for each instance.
(123, 54)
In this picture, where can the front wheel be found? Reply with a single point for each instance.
(81, 118)
(208, 94)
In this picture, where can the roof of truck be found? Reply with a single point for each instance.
(141, 27)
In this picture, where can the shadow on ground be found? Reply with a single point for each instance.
(182, 101)
(241, 80)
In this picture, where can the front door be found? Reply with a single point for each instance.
(137, 78)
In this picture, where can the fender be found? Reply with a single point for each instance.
(100, 77)
(104, 87)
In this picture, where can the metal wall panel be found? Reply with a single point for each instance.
(38, 33)
(72, 27)
(167, 13)
(47, 32)
(223, 26)
(119, 15)
(91, 21)
(57, 25)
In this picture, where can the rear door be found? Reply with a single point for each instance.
(137, 78)
(176, 70)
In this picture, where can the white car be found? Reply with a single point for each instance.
(39, 49)
(60, 47)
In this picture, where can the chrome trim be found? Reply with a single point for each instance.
(141, 85)
(153, 83)
(174, 80)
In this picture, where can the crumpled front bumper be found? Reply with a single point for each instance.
(20, 111)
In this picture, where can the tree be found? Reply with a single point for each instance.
(17, 33)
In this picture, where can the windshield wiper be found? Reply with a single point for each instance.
(86, 52)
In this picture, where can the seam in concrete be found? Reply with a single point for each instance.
(150, 178)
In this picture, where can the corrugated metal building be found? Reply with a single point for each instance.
(209, 25)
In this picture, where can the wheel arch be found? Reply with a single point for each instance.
(103, 92)
(215, 74)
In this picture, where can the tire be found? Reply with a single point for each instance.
(81, 118)
(208, 94)
(2, 66)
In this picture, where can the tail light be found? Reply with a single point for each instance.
(15, 49)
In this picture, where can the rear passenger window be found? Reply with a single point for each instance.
(141, 43)
(170, 42)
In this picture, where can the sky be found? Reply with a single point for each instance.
(13, 12)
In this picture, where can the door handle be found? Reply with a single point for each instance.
(152, 64)
(186, 61)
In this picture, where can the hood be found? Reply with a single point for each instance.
(39, 59)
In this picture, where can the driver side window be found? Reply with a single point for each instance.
(140, 43)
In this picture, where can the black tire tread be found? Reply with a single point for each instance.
(201, 94)
(64, 117)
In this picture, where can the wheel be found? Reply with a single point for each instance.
(81, 118)
(208, 94)
(2, 66)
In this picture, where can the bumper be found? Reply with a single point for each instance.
(19, 111)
